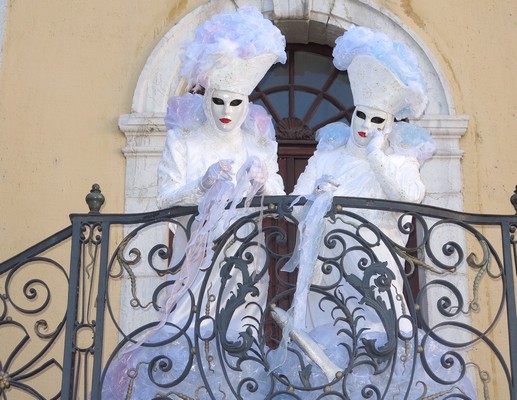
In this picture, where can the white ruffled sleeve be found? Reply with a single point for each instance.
(173, 188)
(274, 185)
(398, 176)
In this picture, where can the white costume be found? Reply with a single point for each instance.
(349, 293)
(219, 149)
(357, 174)
(375, 158)
(187, 156)
(220, 145)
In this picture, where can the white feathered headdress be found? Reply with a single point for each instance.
(233, 51)
(383, 73)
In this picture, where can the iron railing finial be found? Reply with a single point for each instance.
(95, 199)
(513, 199)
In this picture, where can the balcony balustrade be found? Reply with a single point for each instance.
(431, 319)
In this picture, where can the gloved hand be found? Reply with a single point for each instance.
(257, 172)
(220, 170)
(378, 142)
(325, 184)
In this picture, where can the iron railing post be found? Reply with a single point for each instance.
(101, 308)
(509, 277)
(67, 386)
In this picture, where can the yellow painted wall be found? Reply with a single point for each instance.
(69, 69)
(474, 42)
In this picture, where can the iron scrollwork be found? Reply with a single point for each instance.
(381, 338)
(31, 324)
(368, 335)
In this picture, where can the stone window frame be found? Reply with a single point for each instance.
(301, 22)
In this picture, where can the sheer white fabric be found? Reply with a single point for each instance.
(192, 146)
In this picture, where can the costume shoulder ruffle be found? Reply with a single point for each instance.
(259, 124)
(185, 113)
(411, 140)
(332, 136)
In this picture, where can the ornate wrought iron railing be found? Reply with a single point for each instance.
(374, 337)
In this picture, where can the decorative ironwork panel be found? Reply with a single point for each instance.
(32, 319)
(358, 333)
(364, 336)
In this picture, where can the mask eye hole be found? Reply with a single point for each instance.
(236, 102)
(360, 114)
(217, 101)
(378, 120)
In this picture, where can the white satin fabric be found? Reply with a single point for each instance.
(357, 174)
(186, 157)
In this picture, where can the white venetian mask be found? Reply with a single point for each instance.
(227, 109)
(366, 121)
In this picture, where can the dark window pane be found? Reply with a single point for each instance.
(302, 102)
(312, 69)
(324, 112)
(340, 89)
(276, 76)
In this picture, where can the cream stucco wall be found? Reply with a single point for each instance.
(474, 43)
(69, 70)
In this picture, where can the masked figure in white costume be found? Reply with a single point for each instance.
(220, 147)
(219, 150)
(353, 322)
(376, 157)
(348, 313)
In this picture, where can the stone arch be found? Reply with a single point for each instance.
(321, 23)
